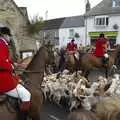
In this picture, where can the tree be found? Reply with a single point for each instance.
(35, 25)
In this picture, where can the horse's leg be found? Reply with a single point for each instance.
(61, 68)
(106, 72)
(36, 104)
(77, 67)
(76, 71)
(86, 73)
(46, 72)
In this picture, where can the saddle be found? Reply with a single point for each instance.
(75, 55)
(11, 103)
(3, 98)
(104, 59)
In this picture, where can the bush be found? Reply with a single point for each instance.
(35, 25)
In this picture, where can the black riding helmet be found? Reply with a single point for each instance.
(101, 35)
(5, 30)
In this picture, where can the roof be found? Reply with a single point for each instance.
(103, 8)
(52, 24)
(24, 11)
(20, 10)
(74, 21)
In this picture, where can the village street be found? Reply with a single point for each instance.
(53, 112)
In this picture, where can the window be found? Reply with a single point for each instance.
(116, 3)
(71, 33)
(26, 53)
(102, 21)
(107, 21)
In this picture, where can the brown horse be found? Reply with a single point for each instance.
(49, 60)
(35, 74)
(88, 61)
(68, 61)
(71, 62)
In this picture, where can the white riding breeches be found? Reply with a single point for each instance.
(77, 55)
(20, 92)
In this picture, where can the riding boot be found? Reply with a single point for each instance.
(24, 107)
(23, 115)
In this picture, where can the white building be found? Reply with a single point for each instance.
(105, 18)
(72, 27)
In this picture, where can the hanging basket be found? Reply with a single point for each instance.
(115, 26)
(77, 35)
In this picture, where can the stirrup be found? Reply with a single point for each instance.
(22, 115)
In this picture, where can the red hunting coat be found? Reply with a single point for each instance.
(7, 80)
(100, 49)
(71, 46)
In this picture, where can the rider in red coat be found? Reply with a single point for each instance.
(71, 47)
(102, 45)
(9, 82)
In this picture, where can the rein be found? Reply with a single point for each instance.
(28, 71)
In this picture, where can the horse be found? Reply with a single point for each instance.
(34, 74)
(49, 60)
(67, 61)
(88, 62)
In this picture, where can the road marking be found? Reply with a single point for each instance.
(53, 117)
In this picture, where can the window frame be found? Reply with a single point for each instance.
(115, 3)
(101, 21)
(71, 33)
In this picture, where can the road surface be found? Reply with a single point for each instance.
(53, 112)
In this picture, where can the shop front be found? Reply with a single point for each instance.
(111, 35)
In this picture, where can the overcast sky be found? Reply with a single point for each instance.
(55, 8)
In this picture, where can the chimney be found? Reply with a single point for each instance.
(88, 6)
(46, 15)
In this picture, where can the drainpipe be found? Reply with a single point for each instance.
(85, 30)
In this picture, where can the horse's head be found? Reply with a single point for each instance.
(49, 56)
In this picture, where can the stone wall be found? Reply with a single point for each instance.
(12, 17)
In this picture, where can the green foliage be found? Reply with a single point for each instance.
(35, 25)
(12, 49)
